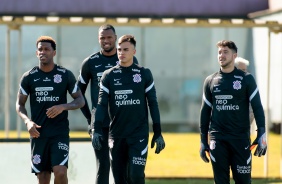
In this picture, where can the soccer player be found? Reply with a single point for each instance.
(47, 85)
(225, 116)
(128, 89)
(91, 71)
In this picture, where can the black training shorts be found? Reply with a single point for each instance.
(49, 152)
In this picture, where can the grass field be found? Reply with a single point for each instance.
(180, 159)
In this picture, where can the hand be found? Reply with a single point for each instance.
(96, 140)
(90, 127)
(32, 129)
(159, 142)
(260, 142)
(54, 111)
(204, 148)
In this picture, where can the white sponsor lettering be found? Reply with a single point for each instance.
(44, 89)
(121, 100)
(222, 103)
(42, 95)
(117, 71)
(230, 107)
(244, 169)
(99, 74)
(63, 146)
(61, 70)
(123, 92)
(136, 70)
(223, 96)
(139, 161)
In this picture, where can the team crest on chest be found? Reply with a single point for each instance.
(137, 78)
(57, 78)
(237, 85)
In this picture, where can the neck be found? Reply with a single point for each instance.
(112, 52)
(126, 64)
(46, 67)
(227, 69)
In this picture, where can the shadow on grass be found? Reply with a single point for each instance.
(208, 181)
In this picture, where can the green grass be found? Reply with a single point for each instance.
(180, 159)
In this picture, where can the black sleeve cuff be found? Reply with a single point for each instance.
(157, 128)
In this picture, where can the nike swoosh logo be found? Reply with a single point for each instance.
(246, 147)
(141, 140)
(116, 79)
(96, 66)
(65, 155)
(36, 80)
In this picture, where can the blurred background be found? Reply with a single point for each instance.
(176, 40)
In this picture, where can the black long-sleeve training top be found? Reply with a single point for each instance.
(128, 91)
(91, 72)
(225, 105)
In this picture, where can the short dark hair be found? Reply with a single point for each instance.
(227, 43)
(107, 27)
(47, 39)
(127, 38)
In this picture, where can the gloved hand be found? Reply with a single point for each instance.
(260, 142)
(96, 140)
(157, 138)
(159, 142)
(204, 148)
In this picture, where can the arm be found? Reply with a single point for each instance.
(82, 82)
(22, 112)
(151, 96)
(78, 102)
(85, 109)
(254, 98)
(102, 107)
(100, 114)
(205, 115)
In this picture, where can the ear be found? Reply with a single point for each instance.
(235, 55)
(54, 53)
(134, 51)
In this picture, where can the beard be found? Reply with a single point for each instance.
(110, 49)
(226, 64)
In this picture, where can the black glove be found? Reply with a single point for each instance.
(159, 142)
(96, 138)
(204, 148)
(260, 142)
(157, 138)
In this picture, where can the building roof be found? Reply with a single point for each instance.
(134, 8)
